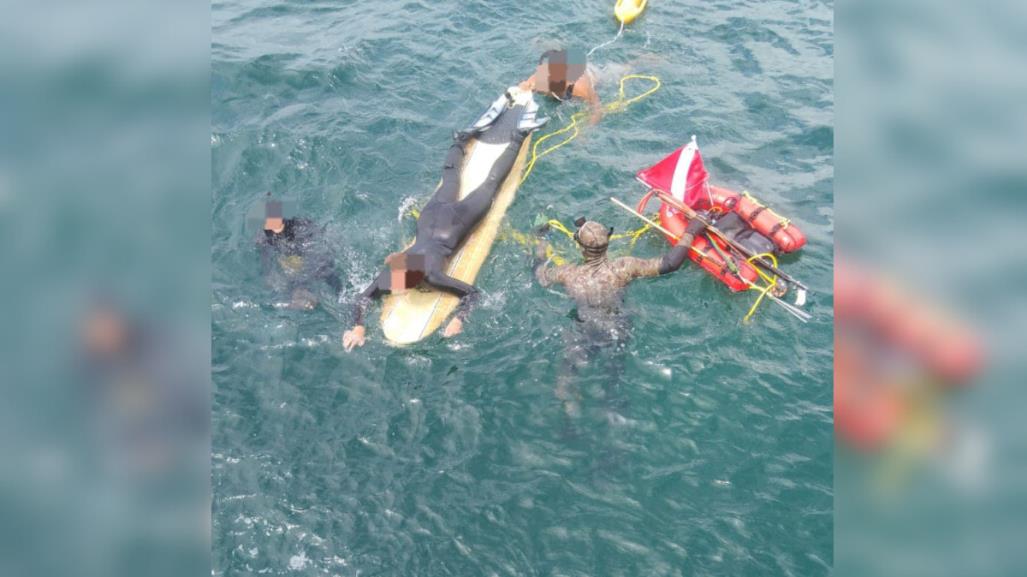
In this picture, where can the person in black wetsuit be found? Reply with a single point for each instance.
(294, 257)
(446, 221)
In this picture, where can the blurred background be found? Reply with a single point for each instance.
(930, 182)
(104, 339)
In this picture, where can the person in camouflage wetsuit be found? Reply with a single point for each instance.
(597, 286)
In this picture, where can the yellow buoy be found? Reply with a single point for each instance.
(627, 10)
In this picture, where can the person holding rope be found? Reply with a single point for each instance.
(563, 75)
(598, 283)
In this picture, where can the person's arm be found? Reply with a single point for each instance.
(468, 299)
(372, 292)
(331, 277)
(529, 84)
(585, 90)
(629, 268)
(545, 273)
(355, 336)
(596, 108)
(266, 254)
(326, 268)
(674, 258)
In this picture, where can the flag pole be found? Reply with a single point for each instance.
(794, 311)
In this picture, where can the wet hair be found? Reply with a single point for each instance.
(273, 209)
(569, 56)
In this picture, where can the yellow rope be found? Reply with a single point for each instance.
(525, 239)
(634, 235)
(560, 227)
(616, 106)
(771, 283)
(612, 107)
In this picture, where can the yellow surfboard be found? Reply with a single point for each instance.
(415, 314)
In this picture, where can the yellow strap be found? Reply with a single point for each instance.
(784, 221)
(525, 239)
(771, 283)
(759, 299)
(610, 108)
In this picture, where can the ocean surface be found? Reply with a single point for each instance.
(703, 446)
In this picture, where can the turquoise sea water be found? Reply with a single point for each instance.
(702, 448)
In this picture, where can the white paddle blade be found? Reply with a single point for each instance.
(800, 297)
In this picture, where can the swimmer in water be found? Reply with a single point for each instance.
(293, 252)
(597, 287)
(597, 284)
(446, 221)
(563, 75)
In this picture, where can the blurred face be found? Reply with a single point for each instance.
(274, 224)
(398, 282)
(549, 74)
(105, 332)
(557, 72)
(405, 271)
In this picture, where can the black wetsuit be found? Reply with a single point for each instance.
(446, 221)
(300, 254)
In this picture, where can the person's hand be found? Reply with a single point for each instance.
(542, 250)
(454, 328)
(353, 338)
(595, 117)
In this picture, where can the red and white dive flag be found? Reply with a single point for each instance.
(682, 174)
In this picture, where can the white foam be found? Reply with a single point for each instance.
(298, 562)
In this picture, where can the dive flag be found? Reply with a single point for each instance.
(682, 174)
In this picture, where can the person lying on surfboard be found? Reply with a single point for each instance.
(446, 221)
(564, 74)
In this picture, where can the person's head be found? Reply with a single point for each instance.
(273, 221)
(105, 331)
(558, 68)
(593, 238)
(406, 271)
